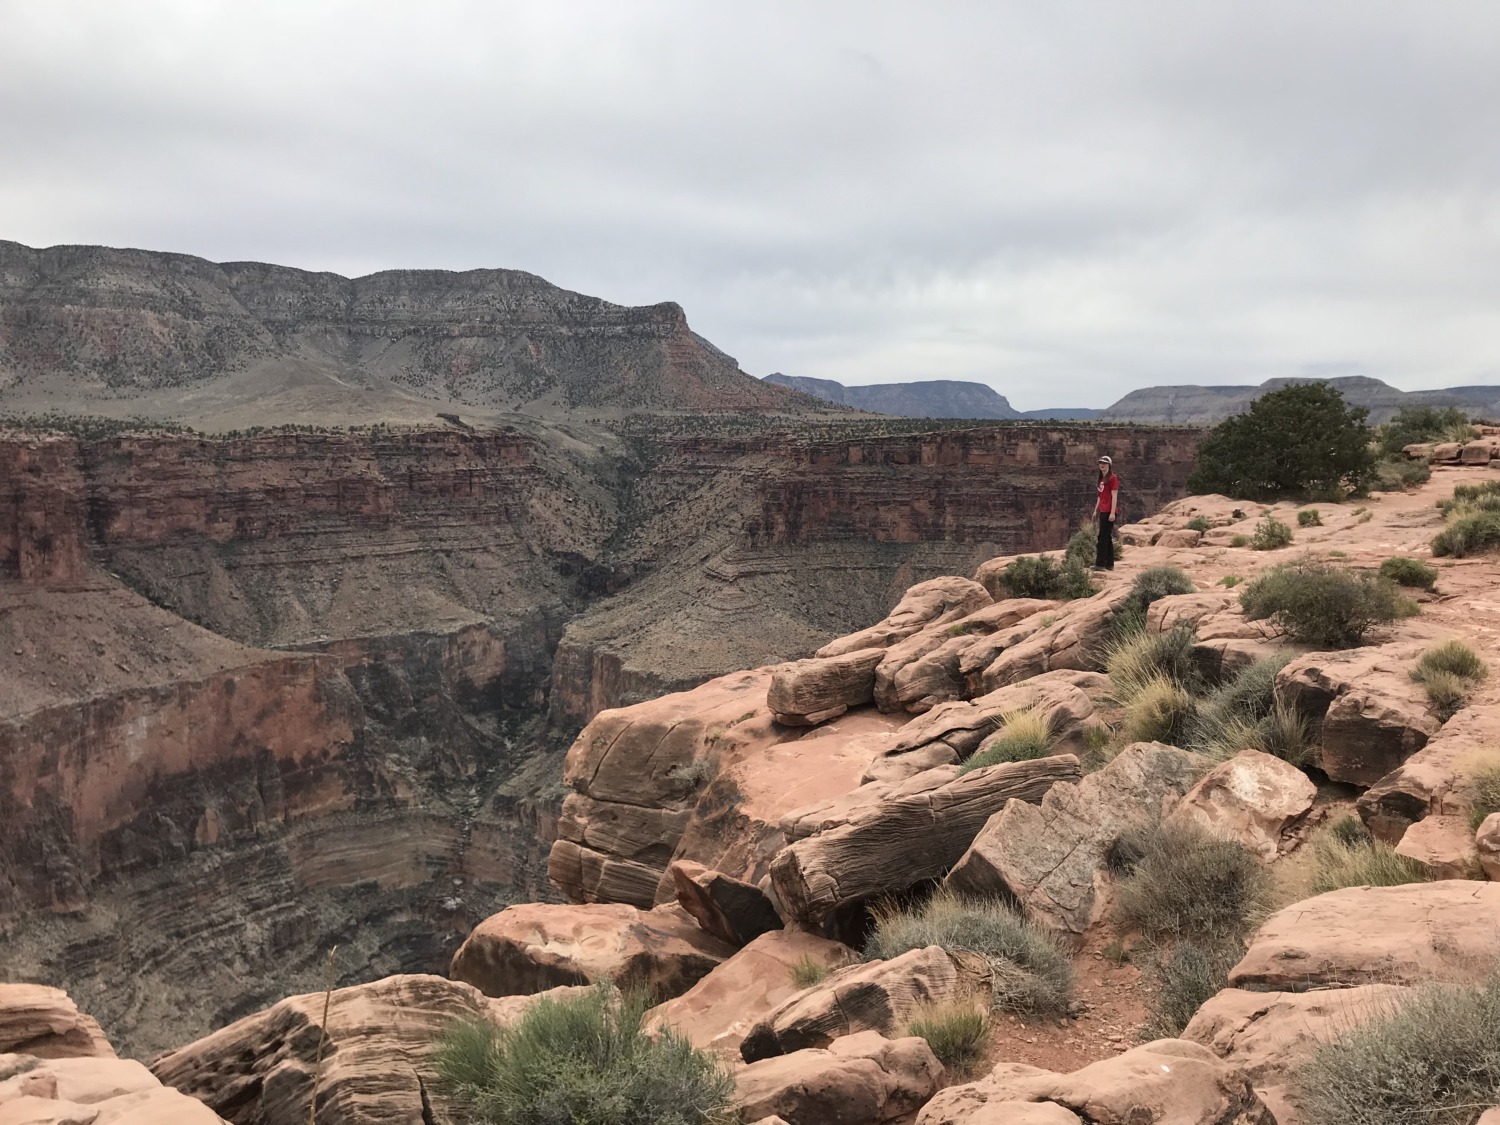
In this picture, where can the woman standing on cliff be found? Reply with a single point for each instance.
(1107, 507)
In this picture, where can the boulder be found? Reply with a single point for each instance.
(805, 693)
(862, 1079)
(1443, 845)
(715, 1013)
(91, 1091)
(728, 909)
(1477, 452)
(1253, 798)
(1437, 779)
(874, 996)
(1076, 640)
(1371, 715)
(1406, 934)
(1051, 857)
(1267, 1036)
(1170, 1082)
(1182, 537)
(936, 601)
(537, 946)
(874, 854)
(44, 1022)
(1487, 845)
(377, 1057)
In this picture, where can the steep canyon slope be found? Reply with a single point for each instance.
(268, 693)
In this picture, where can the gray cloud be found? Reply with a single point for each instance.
(1065, 200)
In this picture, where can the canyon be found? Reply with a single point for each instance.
(272, 693)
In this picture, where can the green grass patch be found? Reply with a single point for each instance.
(1024, 737)
(1184, 979)
(1486, 796)
(1159, 711)
(1240, 541)
(1469, 532)
(1199, 524)
(1364, 862)
(1397, 474)
(955, 1030)
(1448, 673)
(808, 971)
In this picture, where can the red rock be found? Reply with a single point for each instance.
(1253, 798)
(809, 692)
(91, 1091)
(1438, 779)
(41, 1021)
(861, 1079)
(1487, 845)
(728, 909)
(717, 1012)
(537, 946)
(938, 600)
(1443, 845)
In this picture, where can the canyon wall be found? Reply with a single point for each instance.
(268, 694)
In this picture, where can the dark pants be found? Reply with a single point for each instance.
(1104, 555)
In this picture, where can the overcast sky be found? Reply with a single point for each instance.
(1065, 200)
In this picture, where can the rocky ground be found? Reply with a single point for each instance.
(716, 840)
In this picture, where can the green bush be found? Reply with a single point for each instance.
(1320, 604)
(1350, 831)
(1082, 548)
(1240, 541)
(1037, 576)
(1270, 535)
(1024, 737)
(1477, 492)
(1199, 524)
(1467, 533)
(1190, 884)
(1449, 672)
(1366, 863)
(808, 971)
(1397, 474)
(583, 1059)
(1230, 581)
(1186, 978)
(1159, 711)
(1433, 1059)
(1486, 796)
(1413, 573)
(1149, 586)
(1298, 440)
(1414, 424)
(1243, 714)
(955, 1031)
(1032, 971)
(1309, 517)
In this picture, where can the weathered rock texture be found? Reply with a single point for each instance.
(1253, 798)
(862, 1079)
(41, 1021)
(91, 1091)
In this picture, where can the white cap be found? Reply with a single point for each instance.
(1106, 460)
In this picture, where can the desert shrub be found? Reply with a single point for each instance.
(1186, 978)
(1365, 862)
(1083, 546)
(1037, 576)
(1349, 830)
(1199, 524)
(1032, 970)
(1243, 714)
(1309, 517)
(1446, 694)
(1240, 541)
(1159, 711)
(1476, 492)
(583, 1058)
(1486, 796)
(1413, 424)
(1150, 585)
(1141, 658)
(1413, 573)
(1397, 474)
(955, 1030)
(808, 971)
(1294, 441)
(1433, 1059)
(1461, 432)
(1449, 672)
(1468, 532)
(1230, 581)
(1190, 884)
(1320, 604)
(1025, 736)
(1270, 535)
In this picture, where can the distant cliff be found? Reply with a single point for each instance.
(1199, 406)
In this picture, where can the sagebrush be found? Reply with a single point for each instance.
(1413, 573)
(1322, 604)
(1183, 882)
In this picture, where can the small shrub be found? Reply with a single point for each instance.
(1320, 604)
(1243, 714)
(1397, 474)
(1149, 586)
(1446, 694)
(1486, 796)
(1190, 884)
(1032, 971)
(1024, 737)
(1083, 547)
(1141, 658)
(1040, 577)
(1475, 492)
(1414, 424)
(1230, 581)
(1449, 673)
(1240, 541)
(1073, 582)
(1368, 863)
(808, 971)
(1432, 1060)
(1270, 535)
(1159, 711)
(1365, 517)
(1467, 534)
(1199, 524)
(583, 1059)
(1412, 573)
(955, 1031)
(1186, 979)
(1350, 831)
(1308, 517)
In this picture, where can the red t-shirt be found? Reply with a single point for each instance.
(1108, 487)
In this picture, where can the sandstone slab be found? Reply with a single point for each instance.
(1077, 640)
(1050, 857)
(809, 692)
(1168, 1082)
(41, 1021)
(1376, 935)
(1443, 845)
(875, 996)
(91, 1091)
(936, 601)
(1253, 798)
(1438, 779)
(1487, 846)
(717, 1012)
(873, 854)
(726, 908)
(533, 947)
(862, 1079)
